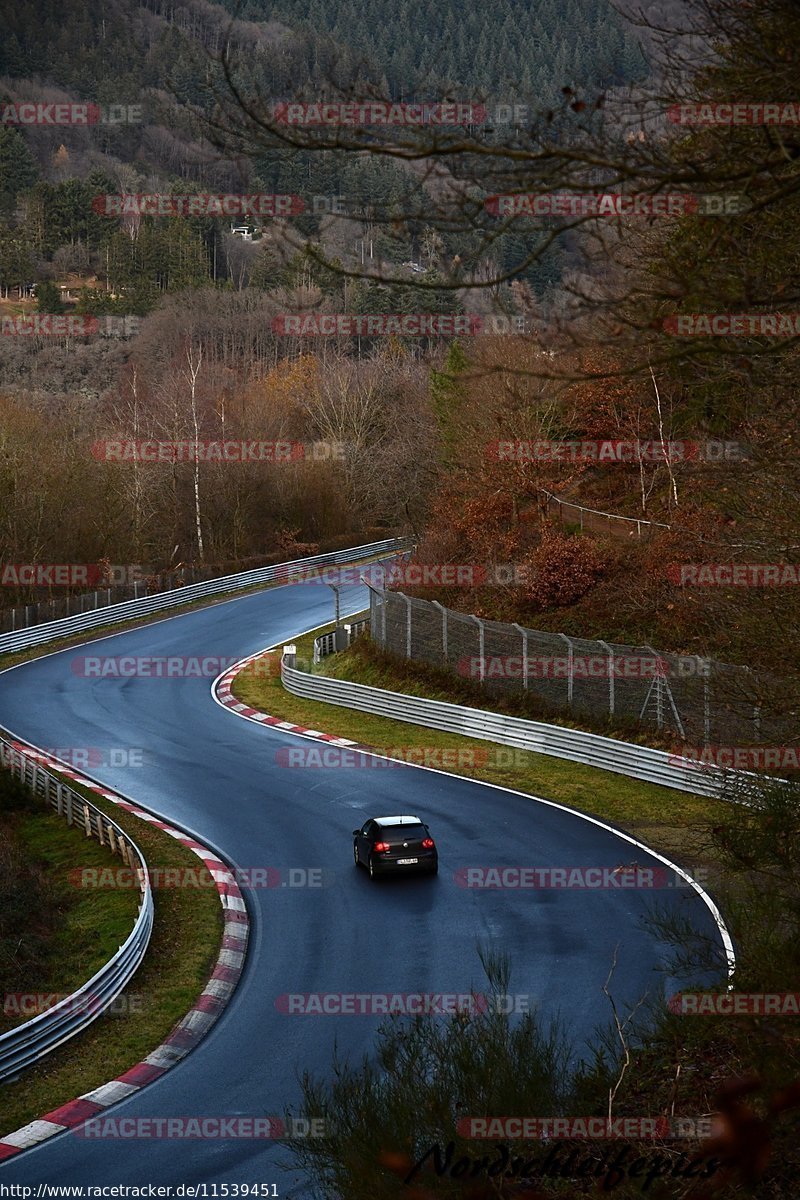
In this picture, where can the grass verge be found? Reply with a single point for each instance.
(182, 952)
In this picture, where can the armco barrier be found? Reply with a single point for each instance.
(30, 1041)
(590, 749)
(326, 642)
(129, 610)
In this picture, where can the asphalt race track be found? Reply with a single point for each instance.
(218, 776)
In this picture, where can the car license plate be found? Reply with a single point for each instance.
(406, 862)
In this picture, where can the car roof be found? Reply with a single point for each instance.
(403, 820)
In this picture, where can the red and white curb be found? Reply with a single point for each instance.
(190, 1030)
(224, 696)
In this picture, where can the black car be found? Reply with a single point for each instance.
(392, 845)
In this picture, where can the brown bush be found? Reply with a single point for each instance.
(561, 570)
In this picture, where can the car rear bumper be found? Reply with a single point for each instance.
(391, 866)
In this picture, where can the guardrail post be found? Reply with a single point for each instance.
(69, 806)
(87, 820)
(610, 654)
(524, 633)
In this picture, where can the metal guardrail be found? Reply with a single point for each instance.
(325, 644)
(26, 1044)
(590, 749)
(356, 627)
(129, 610)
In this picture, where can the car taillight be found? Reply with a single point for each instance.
(381, 847)
(427, 844)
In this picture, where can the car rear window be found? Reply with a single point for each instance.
(403, 833)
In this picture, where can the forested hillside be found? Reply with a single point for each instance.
(518, 50)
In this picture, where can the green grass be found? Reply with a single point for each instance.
(84, 926)
(666, 819)
(181, 955)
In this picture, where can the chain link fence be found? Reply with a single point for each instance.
(693, 700)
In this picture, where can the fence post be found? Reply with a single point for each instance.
(481, 646)
(524, 633)
(608, 651)
(706, 705)
(443, 611)
(570, 673)
(408, 622)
